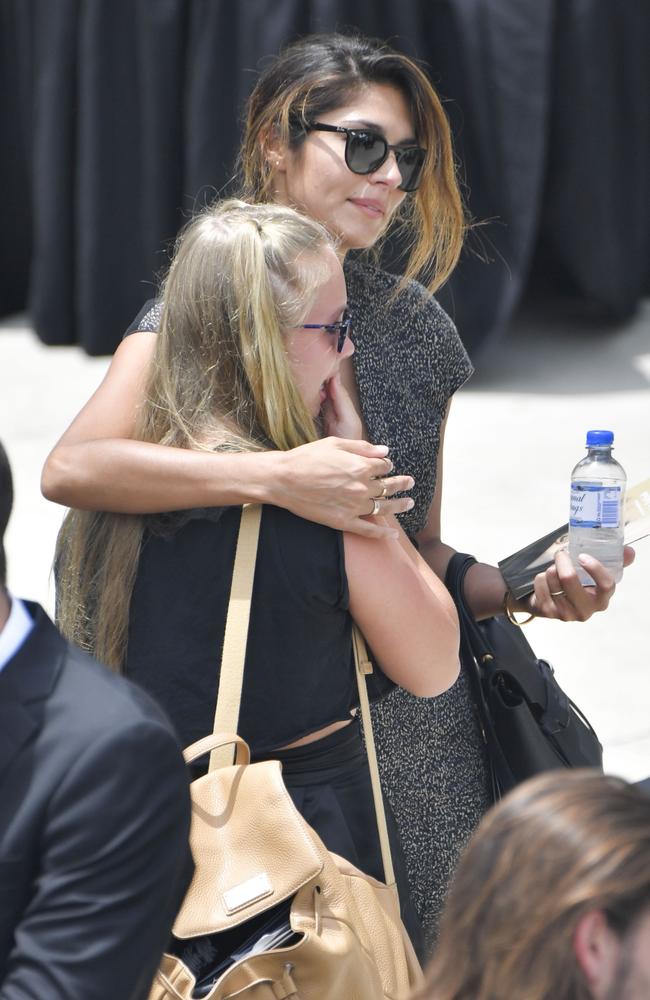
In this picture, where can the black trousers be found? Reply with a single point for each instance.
(329, 783)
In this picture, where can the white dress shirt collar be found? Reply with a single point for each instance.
(18, 626)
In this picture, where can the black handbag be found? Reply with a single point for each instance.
(529, 724)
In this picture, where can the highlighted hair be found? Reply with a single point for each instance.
(322, 73)
(559, 846)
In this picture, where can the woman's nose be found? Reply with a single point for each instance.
(388, 172)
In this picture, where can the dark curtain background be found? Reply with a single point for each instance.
(118, 117)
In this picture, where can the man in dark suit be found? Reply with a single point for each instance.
(94, 816)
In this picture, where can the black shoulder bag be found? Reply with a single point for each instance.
(529, 724)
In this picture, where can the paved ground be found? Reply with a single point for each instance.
(513, 437)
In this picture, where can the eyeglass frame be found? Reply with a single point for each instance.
(343, 328)
(396, 149)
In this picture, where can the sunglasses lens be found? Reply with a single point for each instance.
(365, 152)
(410, 162)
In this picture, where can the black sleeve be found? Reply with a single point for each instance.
(114, 868)
(147, 319)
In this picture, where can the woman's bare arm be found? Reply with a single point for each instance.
(97, 465)
(404, 611)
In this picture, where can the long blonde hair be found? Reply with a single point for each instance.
(321, 73)
(219, 379)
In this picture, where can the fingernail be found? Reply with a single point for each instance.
(586, 559)
(383, 449)
(410, 503)
(411, 483)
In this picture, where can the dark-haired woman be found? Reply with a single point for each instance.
(352, 133)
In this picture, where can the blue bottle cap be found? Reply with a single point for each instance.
(595, 438)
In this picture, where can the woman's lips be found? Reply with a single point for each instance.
(375, 209)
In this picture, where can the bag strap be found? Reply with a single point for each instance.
(477, 640)
(226, 717)
(233, 656)
(363, 667)
(475, 653)
(457, 568)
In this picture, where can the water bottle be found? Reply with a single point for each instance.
(596, 518)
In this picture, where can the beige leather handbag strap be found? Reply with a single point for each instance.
(231, 678)
(226, 718)
(363, 668)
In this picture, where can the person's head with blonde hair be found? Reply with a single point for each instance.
(225, 374)
(241, 276)
(551, 899)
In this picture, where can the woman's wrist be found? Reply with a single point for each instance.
(255, 477)
(512, 607)
(485, 591)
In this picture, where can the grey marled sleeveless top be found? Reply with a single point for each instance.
(409, 361)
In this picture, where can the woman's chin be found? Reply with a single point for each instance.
(359, 241)
(361, 234)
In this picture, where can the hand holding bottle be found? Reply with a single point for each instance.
(581, 581)
(559, 593)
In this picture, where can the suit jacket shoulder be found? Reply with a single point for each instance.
(94, 836)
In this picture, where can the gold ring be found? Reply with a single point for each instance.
(376, 507)
(556, 593)
(384, 493)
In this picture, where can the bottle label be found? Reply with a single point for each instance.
(595, 506)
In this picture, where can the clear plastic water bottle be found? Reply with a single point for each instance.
(596, 519)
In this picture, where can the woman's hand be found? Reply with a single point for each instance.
(340, 418)
(334, 481)
(559, 594)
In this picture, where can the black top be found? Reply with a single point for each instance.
(298, 674)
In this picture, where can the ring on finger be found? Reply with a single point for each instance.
(376, 507)
(384, 493)
(556, 593)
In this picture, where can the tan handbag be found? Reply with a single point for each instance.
(253, 850)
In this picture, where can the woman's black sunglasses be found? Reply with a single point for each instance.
(343, 329)
(365, 151)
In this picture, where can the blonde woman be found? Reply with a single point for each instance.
(248, 360)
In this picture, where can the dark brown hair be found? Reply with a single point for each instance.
(321, 73)
(559, 846)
